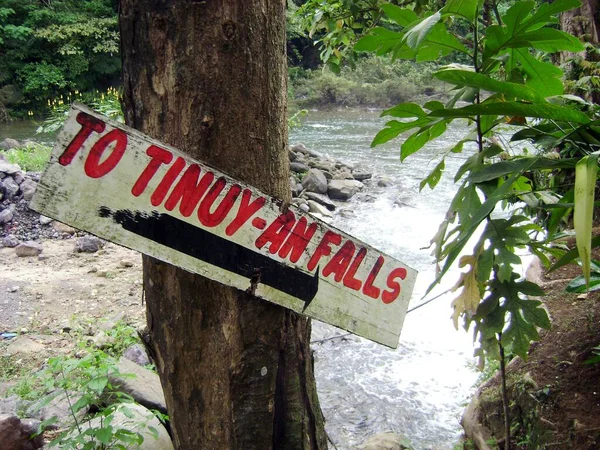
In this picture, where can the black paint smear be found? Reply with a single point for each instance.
(201, 244)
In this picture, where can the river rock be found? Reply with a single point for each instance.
(6, 216)
(10, 241)
(386, 441)
(322, 199)
(137, 419)
(9, 144)
(301, 148)
(137, 354)
(361, 175)
(22, 345)
(384, 182)
(343, 189)
(9, 168)
(28, 188)
(144, 386)
(15, 433)
(304, 207)
(88, 244)
(315, 181)
(292, 155)
(45, 220)
(57, 404)
(28, 248)
(19, 177)
(299, 167)
(63, 228)
(10, 187)
(317, 208)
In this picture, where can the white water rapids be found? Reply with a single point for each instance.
(420, 389)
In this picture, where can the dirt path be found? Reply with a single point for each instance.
(61, 288)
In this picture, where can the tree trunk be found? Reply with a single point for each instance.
(583, 22)
(209, 78)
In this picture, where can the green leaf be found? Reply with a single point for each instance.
(541, 111)
(463, 8)
(480, 81)
(579, 285)
(405, 110)
(586, 173)
(104, 435)
(434, 177)
(393, 128)
(571, 255)
(98, 384)
(542, 77)
(380, 40)
(402, 16)
(417, 34)
(486, 208)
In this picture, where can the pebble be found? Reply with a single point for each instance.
(13, 288)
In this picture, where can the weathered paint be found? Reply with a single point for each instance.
(119, 184)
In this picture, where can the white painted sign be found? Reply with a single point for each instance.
(114, 182)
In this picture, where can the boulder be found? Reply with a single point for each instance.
(343, 189)
(137, 354)
(144, 386)
(10, 241)
(361, 175)
(58, 405)
(16, 434)
(28, 248)
(88, 244)
(317, 208)
(322, 199)
(386, 441)
(301, 148)
(5, 217)
(292, 155)
(299, 167)
(137, 419)
(63, 228)
(28, 188)
(10, 187)
(9, 144)
(8, 168)
(384, 182)
(22, 345)
(315, 181)
(19, 177)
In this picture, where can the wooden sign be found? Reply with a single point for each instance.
(119, 184)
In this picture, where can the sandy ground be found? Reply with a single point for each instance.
(61, 288)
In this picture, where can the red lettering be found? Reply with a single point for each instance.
(159, 157)
(349, 280)
(163, 187)
(245, 211)
(88, 124)
(369, 289)
(189, 190)
(277, 232)
(323, 249)
(390, 296)
(340, 261)
(93, 167)
(213, 219)
(298, 240)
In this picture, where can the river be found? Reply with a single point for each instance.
(419, 389)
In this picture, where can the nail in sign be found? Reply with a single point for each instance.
(114, 182)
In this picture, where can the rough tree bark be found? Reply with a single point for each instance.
(209, 78)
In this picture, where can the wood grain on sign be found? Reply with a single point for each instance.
(123, 186)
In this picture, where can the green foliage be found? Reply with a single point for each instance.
(371, 82)
(508, 80)
(52, 48)
(31, 158)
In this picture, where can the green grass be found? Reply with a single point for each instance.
(32, 158)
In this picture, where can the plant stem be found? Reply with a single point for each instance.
(504, 395)
(477, 99)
